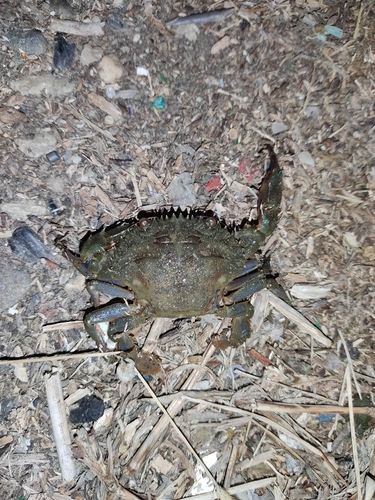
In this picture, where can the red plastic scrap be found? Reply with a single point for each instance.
(214, 184)
(244, 166)
(252, 176)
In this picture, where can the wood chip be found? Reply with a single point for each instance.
(105, 106)
(76, 28)
(222, 44)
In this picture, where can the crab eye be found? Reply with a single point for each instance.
(143, 223)
(211, 221)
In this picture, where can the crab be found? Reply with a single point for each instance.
(176, 264)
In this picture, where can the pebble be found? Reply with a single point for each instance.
(181, 191)
(306, 159)
(90, 55)
(110, 92)
(115, 22)
(278, 127)
(14, 283)
(109, 120)
(43, 84)
(26, 245)
(110, 69)
(52, 157)
(88, 409)
(29, 42)
(62, 9)
(189, 31)
(63, 56)
(41, 143)
(313, 112)
(23, 208)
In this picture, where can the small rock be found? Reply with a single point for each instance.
(26, 245)
(127, 94)
(62, 9)
(23, 208)
(29, 42)
(90, 55)
(306, 159)
(88, 409)
(181, 191)
(39, 84)
(110, 69)
(309, 21)
(40, 144)
(63, 56)
(110, 92)
(188, 31)
(14, 284)
(109, 120)
(312, 112)
(53, 157)
(278, 127)
(115, 22)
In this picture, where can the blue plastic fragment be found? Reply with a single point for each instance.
(325, 417)
(159, 103)
(232, 371)
(333, 31)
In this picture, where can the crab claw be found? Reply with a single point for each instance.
(270, 193)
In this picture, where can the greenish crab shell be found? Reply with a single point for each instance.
(175, 266)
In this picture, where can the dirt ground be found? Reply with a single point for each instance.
(179, 117)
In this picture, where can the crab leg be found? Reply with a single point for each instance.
(96, 287)
(119, 317)
(269, 200)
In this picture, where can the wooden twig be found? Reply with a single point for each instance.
(60, 428)
(76, 28)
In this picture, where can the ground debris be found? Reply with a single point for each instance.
(276, 414)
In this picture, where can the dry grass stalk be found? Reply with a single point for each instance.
(350, 364)
(357, 468)
(157, 432)
(296, 317)
(281, 428)
(57, 357)
(221, 491)
(235, 490)
(78, 115)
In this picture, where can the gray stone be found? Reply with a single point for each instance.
(29, 42)
(39, 84)
(40, 144)
(181, 191)
(15, 281)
